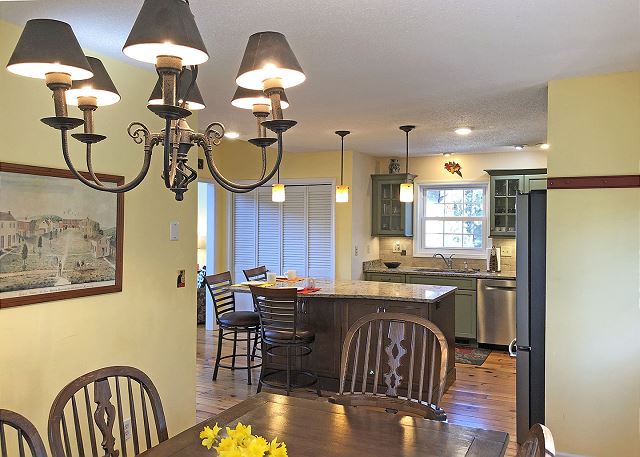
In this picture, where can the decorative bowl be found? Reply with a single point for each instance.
(392, 264)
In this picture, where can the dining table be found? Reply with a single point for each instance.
(316, 428)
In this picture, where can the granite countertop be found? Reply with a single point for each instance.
(374, 267)
(373, 290)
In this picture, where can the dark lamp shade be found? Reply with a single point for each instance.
(246, 98)
(166, 28)
(48, 46)
(99, 86)
(268, 55)
(195, 101)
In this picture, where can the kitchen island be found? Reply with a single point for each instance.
(339, 304)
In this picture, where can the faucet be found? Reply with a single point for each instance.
(447, 261)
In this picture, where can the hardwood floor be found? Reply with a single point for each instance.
(482, 397)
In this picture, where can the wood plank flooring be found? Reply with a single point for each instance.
(482, 397)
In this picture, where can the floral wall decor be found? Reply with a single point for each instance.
(453, 168)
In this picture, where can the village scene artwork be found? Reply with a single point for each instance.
(56, 234)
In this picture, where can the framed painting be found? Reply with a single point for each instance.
(59, 239)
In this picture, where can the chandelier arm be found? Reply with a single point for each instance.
(167, 153)
(237, 187)
(90, 167)
(98, 185)
(264, 162)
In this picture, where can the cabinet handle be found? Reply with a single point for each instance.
(513, 349)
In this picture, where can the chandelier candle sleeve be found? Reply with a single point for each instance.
(194, 100)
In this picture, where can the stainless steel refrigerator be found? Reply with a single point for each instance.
(528, 347)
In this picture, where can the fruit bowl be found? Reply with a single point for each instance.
(392, 264)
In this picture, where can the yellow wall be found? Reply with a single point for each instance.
(593, 269)
(151, 323)
(239, 160)
(367, 246)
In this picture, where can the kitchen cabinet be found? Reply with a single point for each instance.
(382, 277)
(504, 187)
(390, 217)
(465, 320)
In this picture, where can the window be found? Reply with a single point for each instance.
(452, 220)
(297, 234)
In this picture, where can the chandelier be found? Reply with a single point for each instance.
(165, 34)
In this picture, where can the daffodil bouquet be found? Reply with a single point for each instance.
(239, 442)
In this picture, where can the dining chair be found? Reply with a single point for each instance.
(73, 419)
(539, 443)
(384, 360)
(25, 432)
(256, 274)
(284, 336)
(231, 322)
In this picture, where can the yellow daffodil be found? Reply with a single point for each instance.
(277, 449)
(240, 433)
(256, 446)
(209, 435)
(226, 444)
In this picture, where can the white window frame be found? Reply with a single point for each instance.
(418, 239)
(293, 181)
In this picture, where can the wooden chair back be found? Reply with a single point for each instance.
(539, 443)
(256, 274)
(76, 428)
(223, 299)
(396, 362)
(278, 310)
(25, 432)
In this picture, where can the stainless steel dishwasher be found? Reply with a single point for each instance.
(496, 311)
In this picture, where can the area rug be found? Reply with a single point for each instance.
(471, 355)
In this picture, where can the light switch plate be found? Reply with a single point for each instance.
(506, 251)
(174, 231)
(396, 247)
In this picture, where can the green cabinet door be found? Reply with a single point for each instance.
(390, 217)
(466, 314)
(535, 182)
(504, 190)
(385, 277)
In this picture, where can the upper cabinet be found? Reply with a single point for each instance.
(390, 217)
(505, 185)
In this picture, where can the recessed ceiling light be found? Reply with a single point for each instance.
(544, 146)
(463, 131)
(519, 147)
(447, 154)
(232, 135)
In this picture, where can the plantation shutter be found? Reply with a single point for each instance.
(269, 231)
(320, 251)
(244, 233)
(294, 235)
(294, 226)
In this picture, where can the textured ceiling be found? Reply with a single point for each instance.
(374, 65)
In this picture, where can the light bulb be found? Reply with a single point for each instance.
(406, 192)
(544, 146)
(342, 194)
(463, 131)
(277, 193)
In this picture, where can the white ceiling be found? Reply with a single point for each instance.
(374, 65)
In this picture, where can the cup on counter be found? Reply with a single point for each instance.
(271, 278)
(309, 283)
(291, 275)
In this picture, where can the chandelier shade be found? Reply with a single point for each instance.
(194, 99)
(99, 86)
(166, 28)
(48, 46)
(269, 56)
(245, 98)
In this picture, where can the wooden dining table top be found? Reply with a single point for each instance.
(319, 429)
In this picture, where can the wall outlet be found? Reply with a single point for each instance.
(396, 247)
(506, 251)
(174, 231)
(368, 249)
(127, 429)
(356, 251)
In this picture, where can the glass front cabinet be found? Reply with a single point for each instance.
(505, 185)
(390, 217)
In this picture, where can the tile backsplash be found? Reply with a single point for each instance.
(386, 253)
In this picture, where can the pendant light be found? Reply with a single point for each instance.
(406, 188)
(277, 191)
(342, 191)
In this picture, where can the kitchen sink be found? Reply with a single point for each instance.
(446, 270)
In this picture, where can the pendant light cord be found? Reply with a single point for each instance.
(342, 161)
(407, 156)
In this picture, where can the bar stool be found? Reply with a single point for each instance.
(283, 336)
(256, 274)
(231, 321)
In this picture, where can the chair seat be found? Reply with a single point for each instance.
(240, 319)
(303, 335)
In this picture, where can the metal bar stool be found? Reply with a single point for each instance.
(283, 336)
(233, 322)
(256, 274)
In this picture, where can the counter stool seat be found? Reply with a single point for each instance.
(302, 335)
(240, 319)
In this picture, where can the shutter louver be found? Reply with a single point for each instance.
(244, 233)
(294, 230)
(320, 252)
(269, 231)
